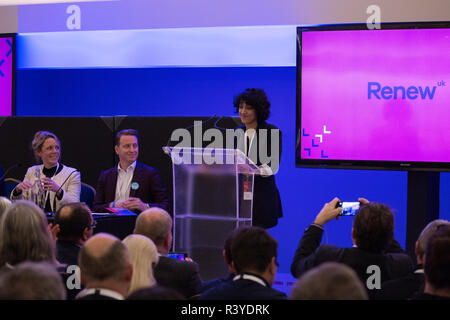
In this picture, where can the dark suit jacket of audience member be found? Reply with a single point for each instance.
(180, 275)
(393, 263)
(217, 282)
(67, 252)
(266, 197)
(242, 289)
(150, 189)
(402, 288)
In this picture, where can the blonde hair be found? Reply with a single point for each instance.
(38, 141)
(144, 257)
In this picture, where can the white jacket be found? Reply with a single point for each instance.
(72, 187)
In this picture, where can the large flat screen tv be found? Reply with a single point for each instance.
(374, 99)
(7, 74)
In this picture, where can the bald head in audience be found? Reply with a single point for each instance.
(105, 263)
(329, 281)
(156, 224)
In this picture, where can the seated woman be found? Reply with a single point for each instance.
(144, 257)
(60, 184)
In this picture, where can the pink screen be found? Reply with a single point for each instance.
(6, 73)
(376, 95)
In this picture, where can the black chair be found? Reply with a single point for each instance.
(87, 194)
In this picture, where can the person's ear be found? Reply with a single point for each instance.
(85, 235)
(168, 242)
(129, 272)
(116, 148)
(273, 266)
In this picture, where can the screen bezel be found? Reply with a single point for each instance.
(13, 78)
(358, 164)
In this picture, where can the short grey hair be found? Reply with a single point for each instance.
(110, 265)
(24, 234)
(32, 281)
(426, 234)
(154, 223)
(329, 281)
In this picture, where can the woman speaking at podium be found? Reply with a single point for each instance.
(259, 139)
(50, 184)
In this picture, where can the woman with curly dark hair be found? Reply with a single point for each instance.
(261, 138)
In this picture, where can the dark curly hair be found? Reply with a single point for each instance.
(373, 227)
(256, 98)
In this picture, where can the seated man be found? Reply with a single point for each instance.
(76, 226)
(414, 283)
(437, 266)
(131, 185)
(105, 269)
(254, 254)
(181, 275)
(373, 239)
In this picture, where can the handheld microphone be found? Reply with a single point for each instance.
(17, 165)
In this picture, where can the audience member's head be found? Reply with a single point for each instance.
(4, 204)
(425, 235)
(32, 281)
(253, 250)
(226, 252)
(257, 99)
(24, 235)
(437, 262)
(155, 293)
(156, 224)
(373, 227)
(144, 257)
(105, 263)
(75, 222)
(329, 281)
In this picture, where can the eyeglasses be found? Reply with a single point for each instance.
(94, 224)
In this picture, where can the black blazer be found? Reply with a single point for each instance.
(67, 252)
(266, 197)
(150, 190)
(402, 288)
(242, 289)
(180, 275)
(393, 263)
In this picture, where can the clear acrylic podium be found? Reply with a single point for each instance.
(213, 195)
